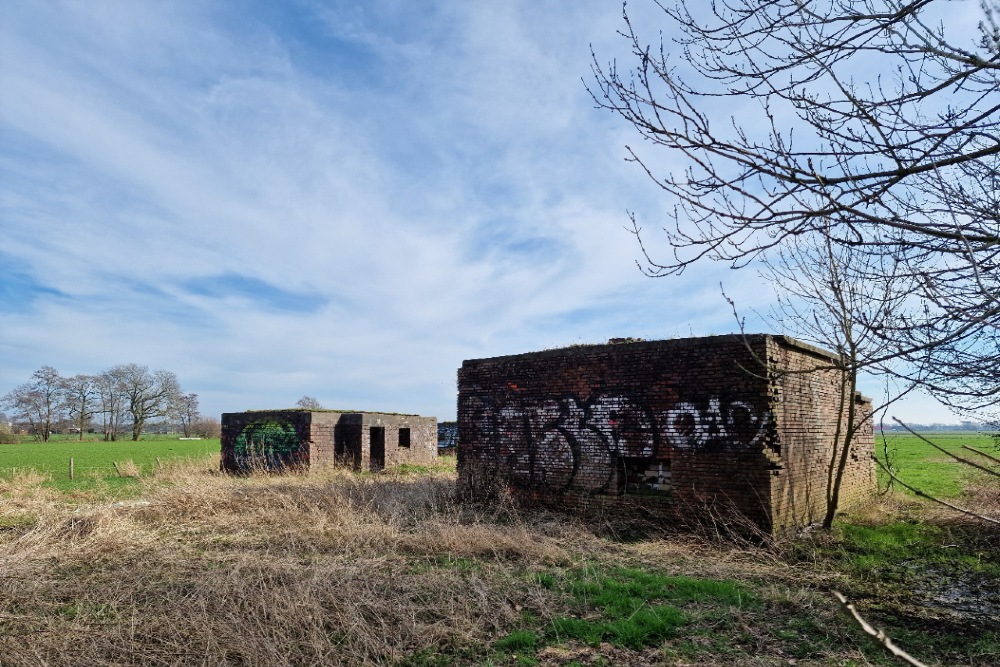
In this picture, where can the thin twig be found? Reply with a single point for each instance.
(879, 635)
(930, 497)
(973, 449)
(942, 449)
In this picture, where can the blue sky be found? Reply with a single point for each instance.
(336, 199)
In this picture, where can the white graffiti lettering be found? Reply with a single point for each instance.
(739, 425)
(553, 441)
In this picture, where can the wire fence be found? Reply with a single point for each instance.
(70, 469)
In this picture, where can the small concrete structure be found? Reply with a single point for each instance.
(277, 439)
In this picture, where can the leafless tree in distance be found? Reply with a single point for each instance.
(111, 396)
(80, 400)
(185, 410)
(38, 402)
(308, 403)
(147, 394)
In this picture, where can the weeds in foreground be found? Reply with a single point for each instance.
(128, 469)
(22, 480)
(334, 567)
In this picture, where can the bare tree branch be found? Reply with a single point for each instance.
(968, 512)
(945, 451)
(984, 454)
(868, 123)
(878, 634)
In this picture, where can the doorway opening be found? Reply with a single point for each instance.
(376, 435)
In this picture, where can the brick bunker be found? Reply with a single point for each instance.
(274, 439)
(670, 430)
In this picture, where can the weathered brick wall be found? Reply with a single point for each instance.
(422, 449)
(281, 438)
(335, 438)
(675, 422)
(669, 428)
(265, 439)
(807, 408)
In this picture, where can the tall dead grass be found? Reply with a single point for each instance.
(325, 568)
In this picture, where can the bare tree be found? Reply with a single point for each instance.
(80, 398)
(308, 403)
(207, 427)
(185, 409)
(826, 295)
(38, 402)
(146, 394)
(111, 395)
(867, 123)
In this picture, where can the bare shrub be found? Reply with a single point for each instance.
(207, 427)
(128, 469)
(7, 436)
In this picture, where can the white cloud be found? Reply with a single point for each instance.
(431, 180)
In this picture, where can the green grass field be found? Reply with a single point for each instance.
(94, 460)
(924, 467)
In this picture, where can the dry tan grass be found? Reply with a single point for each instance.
(23, 492)
(23, 480)
(984, 497)
(128, 468)
(325, 568)
(330, 568)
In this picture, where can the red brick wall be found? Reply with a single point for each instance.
(807, 406)
(668, 427)
(423, 439)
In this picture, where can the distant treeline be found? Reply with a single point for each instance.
(963, 426)
(125, 398)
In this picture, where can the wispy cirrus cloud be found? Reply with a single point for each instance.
(328, 198)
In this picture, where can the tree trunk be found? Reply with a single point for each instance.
(839, 463)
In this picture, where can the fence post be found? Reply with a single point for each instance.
(71, 468)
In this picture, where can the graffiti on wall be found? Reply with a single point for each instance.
(266, 444)
(732, 425)
(573, 443)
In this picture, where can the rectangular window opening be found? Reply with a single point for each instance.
(645, 475)
(404, 438)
